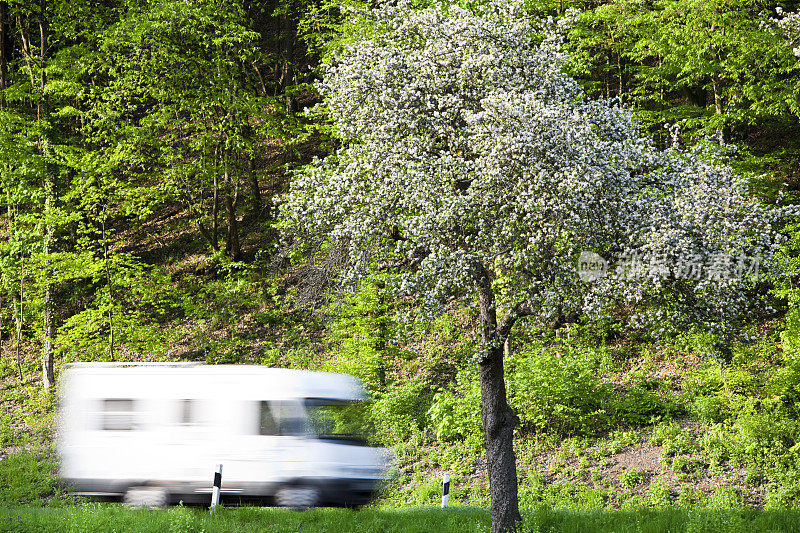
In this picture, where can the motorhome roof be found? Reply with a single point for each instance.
(306, 383)
(124, 364)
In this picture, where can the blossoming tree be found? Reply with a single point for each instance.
(474, 167)
(789, 25)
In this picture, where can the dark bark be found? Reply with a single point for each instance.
(207, 236)
(210, 235)
(498, 418)
(261, 83)
(717, 96)
(232, 244)
(718, 107)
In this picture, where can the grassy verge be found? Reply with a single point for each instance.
(114, 518)
(110, 518)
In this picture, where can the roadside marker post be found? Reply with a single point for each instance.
(445, 489)
(217, 485)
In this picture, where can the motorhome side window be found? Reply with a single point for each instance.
(187, 412)
(267, 424)
(280, 418)
(117, 415)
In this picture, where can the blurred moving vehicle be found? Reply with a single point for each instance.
(153, 433)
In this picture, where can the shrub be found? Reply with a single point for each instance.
(457, 414)
(400, 409)
(713, 408)
(27, 478)
(363, 333)
(631, 478)
(559, 391)
(659, 494)
(639, 406)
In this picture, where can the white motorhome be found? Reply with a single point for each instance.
(153, 434)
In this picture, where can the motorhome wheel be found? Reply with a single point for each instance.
(145, 498)
(297, 497)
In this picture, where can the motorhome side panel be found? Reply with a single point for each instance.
(169, 426)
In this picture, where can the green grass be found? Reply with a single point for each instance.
(94, 517)
(115, 518)
(27, 477)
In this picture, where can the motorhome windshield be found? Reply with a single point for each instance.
(345, 421)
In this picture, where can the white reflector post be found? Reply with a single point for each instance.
(217, 485)
(445, 489)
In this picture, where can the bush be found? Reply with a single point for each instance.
(363, 334)
(556, 391)
(659, 493)
(559, 391)
(456, 415)
(400, 410)
(27, 478)
(640, 406)
(631, 478)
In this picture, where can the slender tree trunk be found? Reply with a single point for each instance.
(19, 317)
(110, 293)
(260, 79)
(3, 60)
(232, 244)
(23, 24)
(717, 95)
(718, 105)
(48, 374)
(255, 191)
(215, 215)
(498, 418)
(288, 29)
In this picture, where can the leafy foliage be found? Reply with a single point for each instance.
(26, 478)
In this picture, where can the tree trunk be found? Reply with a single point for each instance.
(48, 374)
(232, 244)
(214, 215)
(288, 32)
(110, 292)
(19, 317)
(3, 60)
(255, 190)
(620, 78)
(718, 105)
(498, 418)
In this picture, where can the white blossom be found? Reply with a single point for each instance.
(464, 143)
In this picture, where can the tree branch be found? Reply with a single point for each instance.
(518, 311)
